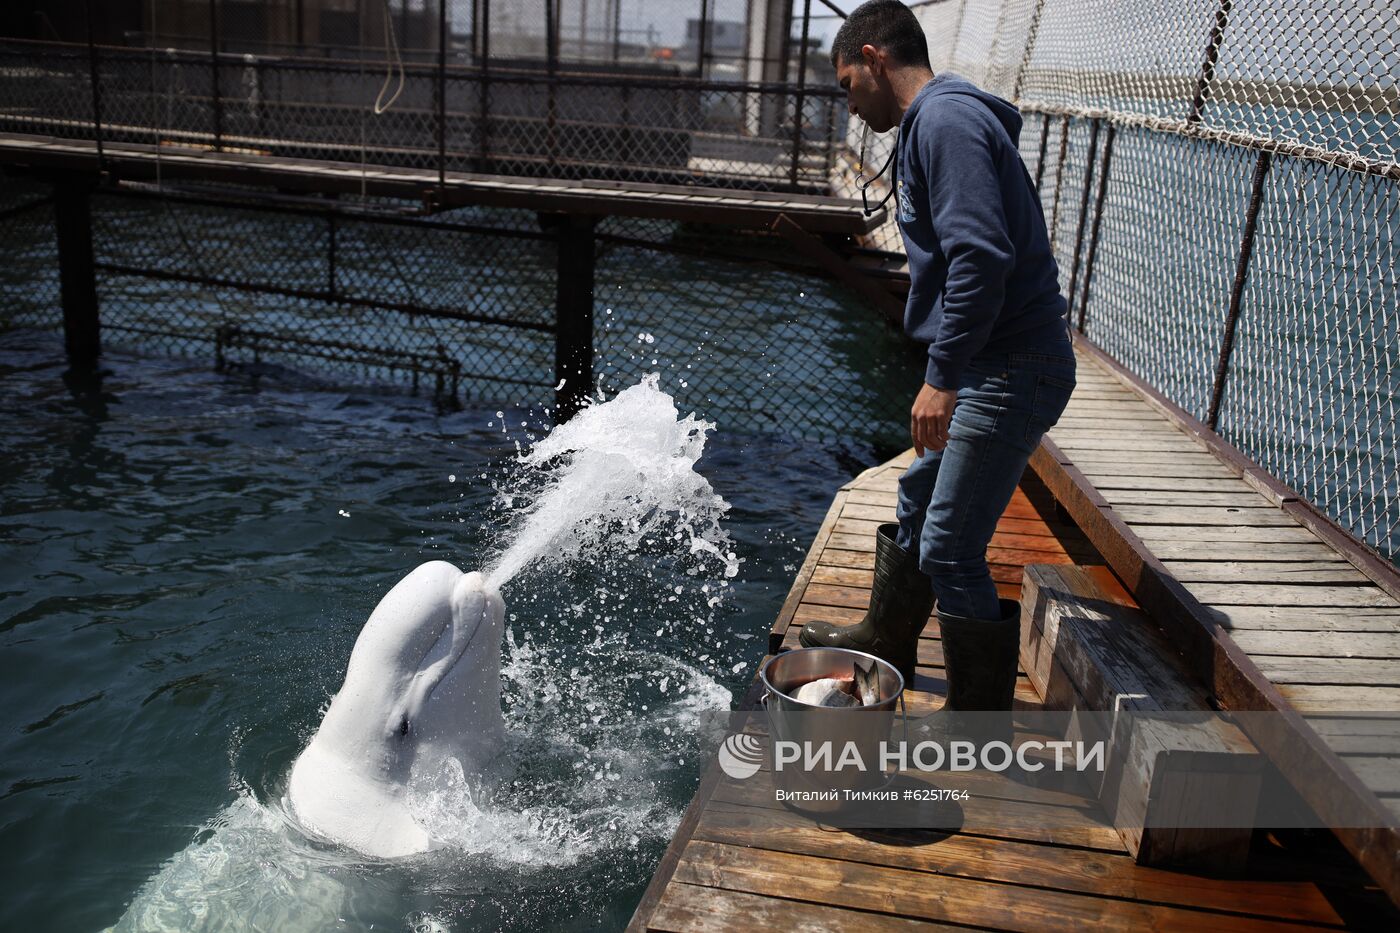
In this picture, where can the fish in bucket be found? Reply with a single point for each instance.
(829, 712)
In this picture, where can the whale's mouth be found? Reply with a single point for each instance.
(473, 606)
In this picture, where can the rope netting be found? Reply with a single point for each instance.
(1149, 126)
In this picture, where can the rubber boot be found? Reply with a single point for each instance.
(979, 658)
(900, 601)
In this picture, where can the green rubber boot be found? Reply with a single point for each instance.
(900, 601)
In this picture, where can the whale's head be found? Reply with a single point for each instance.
(422, 686)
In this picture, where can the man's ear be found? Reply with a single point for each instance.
(873, 60)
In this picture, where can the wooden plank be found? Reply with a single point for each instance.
(1312, 618)
(1137, 444)
(1374, 645)
(940, 899)
(881, 514)
(1225, 571)
(1380, 773)
(1083, 650)
(691, 908)
(1205, 515)
(979, 815)
(1124, 481)
(1243, 498)
(1254, 594)
(1151, 534)
(867, 496)
(1335, 698)
(1353, 735)
(836, 557)
(1288, 669)
(1186, 549)
(1098, 467)
(1084, 871)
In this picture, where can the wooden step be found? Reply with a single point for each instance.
(1086, 651)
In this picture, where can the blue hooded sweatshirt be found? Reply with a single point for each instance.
(982, 277)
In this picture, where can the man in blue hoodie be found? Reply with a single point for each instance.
(984, 296)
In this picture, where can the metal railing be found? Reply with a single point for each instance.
(537, 89)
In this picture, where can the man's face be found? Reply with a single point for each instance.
(868, 92)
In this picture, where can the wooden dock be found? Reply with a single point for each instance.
(1175, 518)
(813, 214)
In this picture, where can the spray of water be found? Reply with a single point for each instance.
(620, 474)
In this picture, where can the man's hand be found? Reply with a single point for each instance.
(930, 417)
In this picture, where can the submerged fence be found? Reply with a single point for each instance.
(462, 306)
(1221, 184)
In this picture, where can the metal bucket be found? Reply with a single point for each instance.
(822, 790)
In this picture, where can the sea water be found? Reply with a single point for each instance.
(191, 556)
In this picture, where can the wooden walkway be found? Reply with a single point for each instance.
(1273, 606)
(134, 161)
(1021, 857)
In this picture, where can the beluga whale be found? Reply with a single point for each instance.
(423, 687)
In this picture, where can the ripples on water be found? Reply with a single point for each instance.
(189, 558)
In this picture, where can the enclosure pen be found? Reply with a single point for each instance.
(537, 203)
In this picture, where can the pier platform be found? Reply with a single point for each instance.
(1266, 602)
(813, 214)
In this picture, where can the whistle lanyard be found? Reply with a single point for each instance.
(864, 183)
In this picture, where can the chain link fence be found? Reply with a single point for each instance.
(1182, 148)
(685, 92)
(462, 306)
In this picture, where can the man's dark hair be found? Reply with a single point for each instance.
(885, 24)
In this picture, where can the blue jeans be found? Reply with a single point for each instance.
(950, 500)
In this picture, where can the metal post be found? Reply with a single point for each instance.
(1026, 55)
(617, 30)
(77, 278)
(330, 253)
(301, 25)
(700, 41)
(573, 308)
(441, 93)
(1083, 209)
(1232, 315)
(96, 88)
(1059, 179)
(484, 76)
(801, 90)
(1203, 82)
(551, 39)
(214, 74)
(1044, 141)
(1098, 219)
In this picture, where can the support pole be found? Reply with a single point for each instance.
(483, 67)
(1083, 212)
(1098, 221)
(551, 39)
(214, 75)
(573, 308)
(441, 95)
(1232, 315)
(94, 77)
(700, 39)
(1206, 78)
(801, 91)
(77, 279)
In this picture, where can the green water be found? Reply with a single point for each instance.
(188, 559)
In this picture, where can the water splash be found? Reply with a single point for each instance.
(619, 475)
